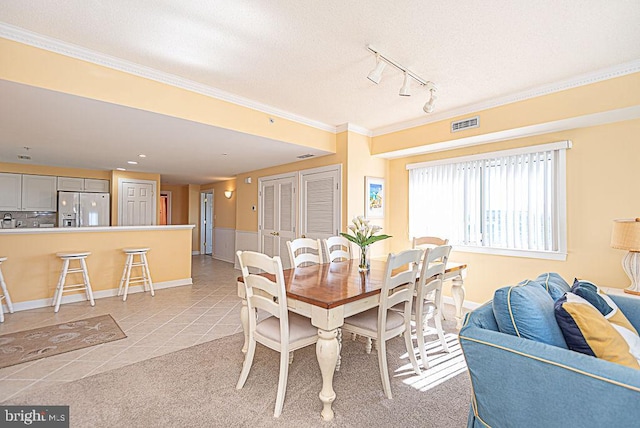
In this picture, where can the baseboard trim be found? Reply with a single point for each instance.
(80, 297)
(466, 304)
(223, 259)
(195, 253)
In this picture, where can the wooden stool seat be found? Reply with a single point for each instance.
(5, 293)
(145, 274)
(62, 287)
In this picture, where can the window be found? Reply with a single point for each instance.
(510, 202)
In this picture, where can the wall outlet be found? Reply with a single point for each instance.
(19, 223)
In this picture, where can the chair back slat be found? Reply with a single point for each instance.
(305, 251)
(429, 241)
(399, 287)
(337, 248)
(434, 264)
(263, 292)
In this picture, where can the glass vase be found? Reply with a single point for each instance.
(365, 263)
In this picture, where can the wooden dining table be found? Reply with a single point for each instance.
(327, 294)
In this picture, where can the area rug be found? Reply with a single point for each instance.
(195, 387)
(29, 345)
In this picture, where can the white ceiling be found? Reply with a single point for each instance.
(310, 59)
(66, 130)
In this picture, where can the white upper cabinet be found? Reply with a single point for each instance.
(39, 193)
(74, 184)
(71, 184)
(94, 185)
(10, 192)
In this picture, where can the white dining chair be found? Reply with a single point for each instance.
(429, 241)
(428, 300)
(381, 323)
(425, 242)
(282, 331)
(337, 248)
(305, 252)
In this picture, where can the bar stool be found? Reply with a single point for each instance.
(62, 287)
(5, 293)
(145, 276)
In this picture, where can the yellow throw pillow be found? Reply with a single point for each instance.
(586, 330)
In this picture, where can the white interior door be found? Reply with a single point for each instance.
(206, 227)
(320, 202)
(277, 216)
(137, 205)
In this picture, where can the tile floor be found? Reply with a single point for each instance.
(174, 319)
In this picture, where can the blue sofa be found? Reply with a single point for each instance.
(519, 382)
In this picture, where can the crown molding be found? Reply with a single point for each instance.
(574, 82)
(74, 51)
(353, 128)
(588, 120)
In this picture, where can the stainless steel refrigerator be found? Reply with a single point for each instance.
(80, 209)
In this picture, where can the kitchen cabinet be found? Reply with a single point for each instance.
(74, 184)
(95, 185)
(24, 192)
(10, 191)
(39, 193)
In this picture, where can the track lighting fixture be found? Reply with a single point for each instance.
(376, 75)
(429, 105)
(405, 91)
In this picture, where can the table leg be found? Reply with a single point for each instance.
(244, 320)
(327, 354)
(457, 290)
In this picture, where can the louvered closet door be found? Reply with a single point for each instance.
(320, 210)
(277, 216)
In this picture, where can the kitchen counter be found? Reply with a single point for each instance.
(31, 230)
(32, 268)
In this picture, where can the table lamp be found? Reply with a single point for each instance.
(626, 236)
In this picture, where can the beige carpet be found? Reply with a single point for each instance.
(29, 345)
(195, 387)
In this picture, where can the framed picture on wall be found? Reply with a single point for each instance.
(374, 197)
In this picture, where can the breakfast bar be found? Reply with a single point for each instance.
(32, 268)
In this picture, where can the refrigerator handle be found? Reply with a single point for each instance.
(79, 221)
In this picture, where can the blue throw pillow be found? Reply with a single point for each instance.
(526, 310)
(554, 284)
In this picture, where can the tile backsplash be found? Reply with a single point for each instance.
(32, 218)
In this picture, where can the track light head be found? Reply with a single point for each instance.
(430, 105)
(405, 91)
(376, 74)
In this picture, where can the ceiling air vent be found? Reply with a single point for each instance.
(24, 157)
(308, 155)
(460, 125)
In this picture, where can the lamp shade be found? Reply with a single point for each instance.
(626, 234)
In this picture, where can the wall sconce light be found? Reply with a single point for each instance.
(228, 194)
(405, 91)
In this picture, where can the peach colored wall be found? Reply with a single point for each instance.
(598, 97)
(224, 210)
(44, 69)
(32, 269)
(602, 176)
(22, 168)
(194, 215)
(360, 165)
(179, 202)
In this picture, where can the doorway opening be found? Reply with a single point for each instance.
(206, 223)
(165, 207)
